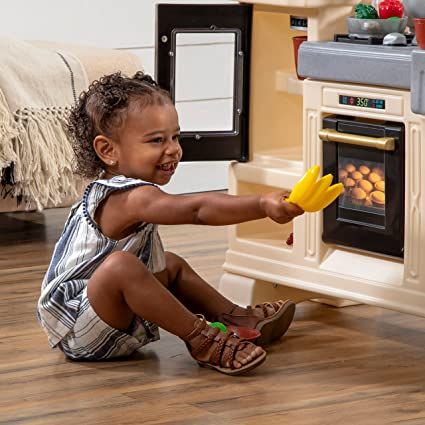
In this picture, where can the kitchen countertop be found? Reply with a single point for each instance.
(301, 3)
(388, 66)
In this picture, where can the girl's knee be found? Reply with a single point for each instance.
(122, 263)
(174, 265)
(173, 261)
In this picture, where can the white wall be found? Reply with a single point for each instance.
(128, 24)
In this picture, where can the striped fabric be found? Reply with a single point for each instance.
(93, 339)
(80, 250)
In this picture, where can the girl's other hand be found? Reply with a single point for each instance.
(276, 207)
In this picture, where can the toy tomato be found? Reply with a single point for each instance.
(391, 8)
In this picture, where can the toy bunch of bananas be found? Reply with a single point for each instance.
(312, 195)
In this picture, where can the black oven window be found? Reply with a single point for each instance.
(364, 183)
(369, 214)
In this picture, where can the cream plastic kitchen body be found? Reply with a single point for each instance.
(284, 142)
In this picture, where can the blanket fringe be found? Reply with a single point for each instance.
(8, 131)
(36, 143)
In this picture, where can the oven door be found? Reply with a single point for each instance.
(368, 159)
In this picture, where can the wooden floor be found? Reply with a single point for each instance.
(356, 365)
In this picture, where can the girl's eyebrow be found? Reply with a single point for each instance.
(156, 132)
(153, 133)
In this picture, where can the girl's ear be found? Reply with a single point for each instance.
(105, 149)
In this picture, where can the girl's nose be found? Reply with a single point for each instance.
(173, 147)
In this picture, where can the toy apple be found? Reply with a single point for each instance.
(390, 8)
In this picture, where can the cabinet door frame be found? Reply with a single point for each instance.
(210, 18)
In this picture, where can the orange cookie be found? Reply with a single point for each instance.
(366, 185)
(364, 170)
(378, 198)
(368, 202)
(379, 171)
(349, 183)
(374, 177)
(358, 196)
(380, 186)
(342, 174)
(350, 168)
(356, 175)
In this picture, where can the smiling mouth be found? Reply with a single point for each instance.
(168, 167)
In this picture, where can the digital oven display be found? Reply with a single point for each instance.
(362, 102)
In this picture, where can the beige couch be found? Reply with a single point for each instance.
(96, 62)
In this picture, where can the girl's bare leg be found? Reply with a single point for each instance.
(123, 287)
(193, 291)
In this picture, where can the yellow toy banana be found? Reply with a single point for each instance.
(312, 195)
(330, 195)
(304, 185)
(318, 191)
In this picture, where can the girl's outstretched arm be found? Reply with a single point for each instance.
(212, 209)
(123, 211)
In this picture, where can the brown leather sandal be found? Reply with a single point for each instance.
(277, 318)
(217, 350)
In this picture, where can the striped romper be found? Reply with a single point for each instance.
(64, 310)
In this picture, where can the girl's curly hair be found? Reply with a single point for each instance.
(102, 109)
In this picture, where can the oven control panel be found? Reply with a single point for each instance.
(363, 101)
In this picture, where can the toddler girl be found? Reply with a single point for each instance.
(110, 284)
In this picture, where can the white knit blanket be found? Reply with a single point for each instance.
(37, 88)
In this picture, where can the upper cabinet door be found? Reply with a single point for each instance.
(202, 58)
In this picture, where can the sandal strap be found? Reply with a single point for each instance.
(217, 356)
(249, 319)
(274, 306)
(208, 340)
(232, 348)
(264, 307)
(227, 344)
(198, 327)
(234, 307)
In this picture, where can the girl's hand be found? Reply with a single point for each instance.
(277, 208)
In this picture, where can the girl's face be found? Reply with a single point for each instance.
(148, 146)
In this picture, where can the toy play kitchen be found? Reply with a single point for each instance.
(359, 114)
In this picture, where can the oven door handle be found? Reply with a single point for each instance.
(382, 143)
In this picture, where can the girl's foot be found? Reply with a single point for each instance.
(224, 352)
(271, 319)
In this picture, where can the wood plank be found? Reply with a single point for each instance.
(356, 365)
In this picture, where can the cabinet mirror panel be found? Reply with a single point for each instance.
(203, 81)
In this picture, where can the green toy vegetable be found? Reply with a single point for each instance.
(365, 11)
(219, 325)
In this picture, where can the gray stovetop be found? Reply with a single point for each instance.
(389, 66)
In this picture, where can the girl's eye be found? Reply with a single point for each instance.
(176, 137)
(157, 140)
